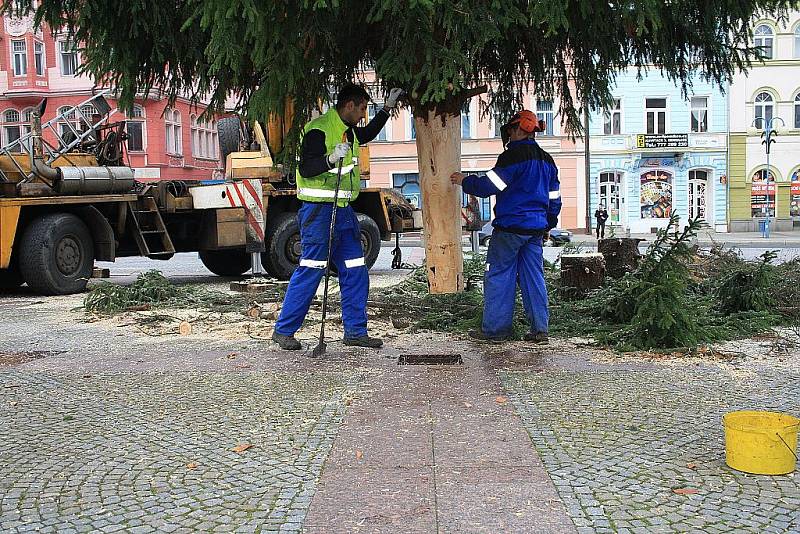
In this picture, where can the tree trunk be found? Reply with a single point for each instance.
(582, 271)
(439, 154)
(621, 255)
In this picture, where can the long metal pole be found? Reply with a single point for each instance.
(587, 165)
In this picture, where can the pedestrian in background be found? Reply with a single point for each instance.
(602, 216)
(528, 200)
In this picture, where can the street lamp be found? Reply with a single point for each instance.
(767, 135)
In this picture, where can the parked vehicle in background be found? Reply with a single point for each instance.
(558, 236)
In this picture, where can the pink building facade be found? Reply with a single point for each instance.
(165, 143)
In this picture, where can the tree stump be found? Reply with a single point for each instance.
(621, 255)
(582, 271)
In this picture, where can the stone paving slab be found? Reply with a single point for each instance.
(616, 445)
(152, 451)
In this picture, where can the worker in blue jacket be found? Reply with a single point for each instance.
(528, 201)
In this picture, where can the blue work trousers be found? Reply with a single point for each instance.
(512, 259)
(348, 257)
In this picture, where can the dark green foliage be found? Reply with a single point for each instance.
(748, 288)
(153, 290)
(438, 50)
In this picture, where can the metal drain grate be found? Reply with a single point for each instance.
(430, 359)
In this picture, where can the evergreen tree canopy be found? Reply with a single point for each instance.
(437, 50)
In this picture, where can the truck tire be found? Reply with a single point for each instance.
(226, 262)
(56, 254)
(10, 278)
(282, 241)
(228, 129)
(370, 239)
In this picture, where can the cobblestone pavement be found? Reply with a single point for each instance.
(618, 443)
(140, 452)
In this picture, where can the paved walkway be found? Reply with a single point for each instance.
(105, 429)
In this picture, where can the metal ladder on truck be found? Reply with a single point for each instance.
(24, 144)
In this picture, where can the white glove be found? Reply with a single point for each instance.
(339, 151)
(391, 100)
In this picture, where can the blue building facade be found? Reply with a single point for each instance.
(656, 153)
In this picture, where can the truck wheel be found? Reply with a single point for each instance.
(228, 131)
(282, 240)
(56, 254)
(10, 278)
(226, 262)
(370, 239)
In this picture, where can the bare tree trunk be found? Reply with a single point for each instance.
(439, 154)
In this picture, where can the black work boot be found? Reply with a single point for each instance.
(286, 342)
(364, 341)
(537, 337)
(478, 334)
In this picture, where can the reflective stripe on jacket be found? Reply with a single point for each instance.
(321, 188)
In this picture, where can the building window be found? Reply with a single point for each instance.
(408, 184)
(763, 40)
(68, 53)
(20, 57)
(412, 127)
(466, 130)
(204, 139)
(612, 119)
(173, 129)
(699, 119)
(797, 111)
(544, 111)
(11, 126)
(498, 123)
(69, 125)
(797, 42)
(698, 184)
(764, 107)
(372, 110)
(135, 130)
(656, 111)
(38, 57)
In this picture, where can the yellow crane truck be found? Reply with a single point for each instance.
(67, 200)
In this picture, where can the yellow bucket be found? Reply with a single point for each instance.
(762, 443)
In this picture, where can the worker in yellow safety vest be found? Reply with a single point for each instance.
(331, 142)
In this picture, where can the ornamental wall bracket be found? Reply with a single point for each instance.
(19, 26)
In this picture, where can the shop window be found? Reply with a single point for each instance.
(656, 194)
(764, 106)
(764, 37)
(484, 204)
(762, 194)
(11, 126)
(612, 119)
(68, 124)
(699, 115)
(656, 112)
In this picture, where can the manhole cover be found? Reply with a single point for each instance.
(430, 359)
(18, 358)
